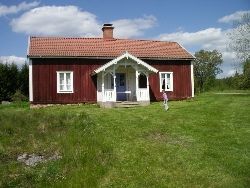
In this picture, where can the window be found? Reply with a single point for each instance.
(142, 81)
(64, 82)
(166, 81)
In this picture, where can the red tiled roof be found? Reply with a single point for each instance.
(106, 48)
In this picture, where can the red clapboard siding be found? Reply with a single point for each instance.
(45, 78)
(182, 88)
(45, 86)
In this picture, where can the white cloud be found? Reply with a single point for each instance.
(207, 39)
(233, 17)
(231, 72)
(57, 20)
(19, 61)
(128, 28)
(72, 21)
(203, 37)
(4, 10)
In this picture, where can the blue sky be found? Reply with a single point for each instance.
(195, 24)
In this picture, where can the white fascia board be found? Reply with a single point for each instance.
(143, 63)
(112, 62)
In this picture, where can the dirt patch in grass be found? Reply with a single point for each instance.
(161, 137)
(34, 159)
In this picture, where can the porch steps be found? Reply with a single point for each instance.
(126, 104)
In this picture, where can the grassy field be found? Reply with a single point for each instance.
(204, 142)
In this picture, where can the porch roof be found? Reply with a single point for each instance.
(127, 56)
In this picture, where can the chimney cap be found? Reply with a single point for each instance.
(107, 25)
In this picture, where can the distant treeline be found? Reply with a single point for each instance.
(14, 82)
(237, 81)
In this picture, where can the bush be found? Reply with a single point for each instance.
(18, 97)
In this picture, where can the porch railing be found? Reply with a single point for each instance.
(142, 94)
(109, 95)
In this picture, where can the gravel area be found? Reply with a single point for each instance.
(33, 159)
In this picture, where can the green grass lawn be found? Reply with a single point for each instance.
(204, 142)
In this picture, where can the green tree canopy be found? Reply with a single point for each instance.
(12, 80)
(246, 74)
(24, 80)
(206, 67)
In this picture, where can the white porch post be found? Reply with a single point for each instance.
(114, 77)
(148, 95)
(136, 84)
(103, 92)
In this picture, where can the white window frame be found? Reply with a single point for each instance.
(171, 81)
(71, 90)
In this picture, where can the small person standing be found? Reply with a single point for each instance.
(165, 99)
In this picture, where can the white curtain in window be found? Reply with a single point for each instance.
(166, 81)
(68, 81)
(65, 81)
(61, 75)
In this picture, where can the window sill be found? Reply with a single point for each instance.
(167, 90)
(65, 92)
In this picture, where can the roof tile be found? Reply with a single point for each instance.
(99, 47)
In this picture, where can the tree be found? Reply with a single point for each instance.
(13, 81)
(24, 80)
(246, 74)
(8, 80)
(240, 38)
(206, 67)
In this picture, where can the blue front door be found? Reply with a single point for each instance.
(121, 86)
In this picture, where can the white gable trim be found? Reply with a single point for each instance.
(127, 56)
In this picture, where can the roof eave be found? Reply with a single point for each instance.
(112, 57)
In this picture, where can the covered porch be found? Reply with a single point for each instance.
(125, 78)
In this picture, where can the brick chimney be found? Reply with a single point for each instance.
(107, 31)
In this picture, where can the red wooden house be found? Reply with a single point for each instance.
(106, 70)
